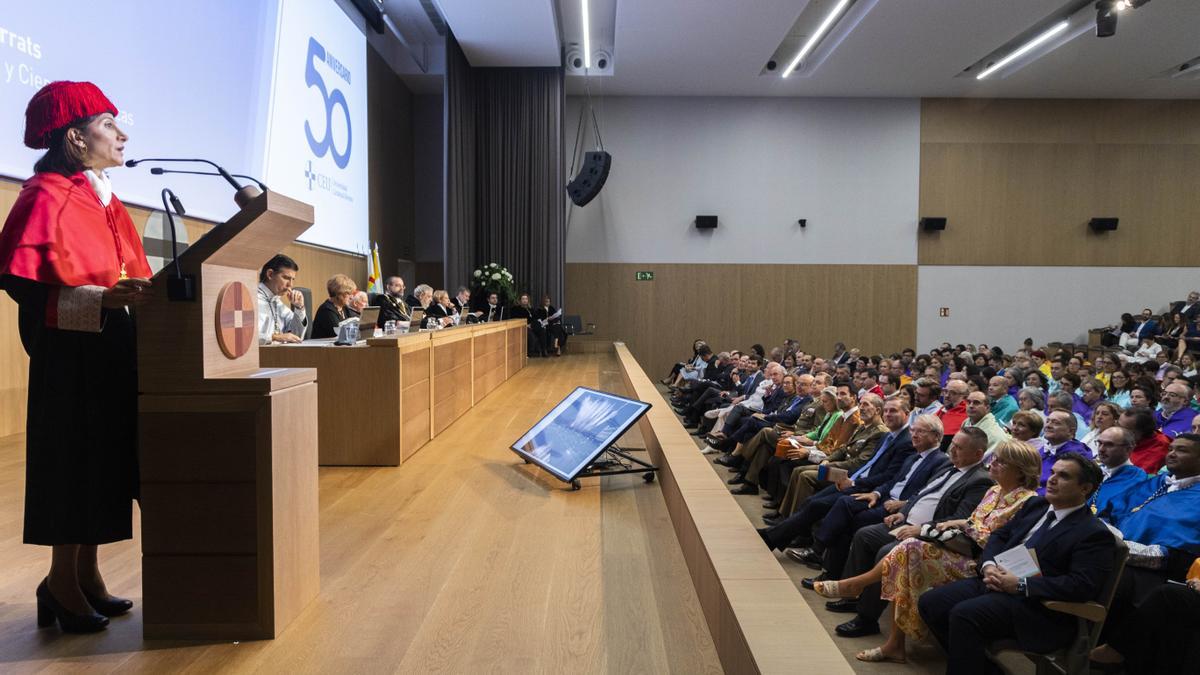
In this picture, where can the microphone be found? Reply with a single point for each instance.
(159, 171)
(179, 286)
(241, 197)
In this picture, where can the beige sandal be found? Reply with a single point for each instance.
(876, 655)
(827, 589)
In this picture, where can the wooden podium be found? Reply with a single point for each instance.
(228, 450)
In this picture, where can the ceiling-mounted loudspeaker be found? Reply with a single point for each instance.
(586, 184)
(931, 224)
(1103, 224)
(706, 222)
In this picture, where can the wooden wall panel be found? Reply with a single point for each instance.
(734, 306)
(1018, 181)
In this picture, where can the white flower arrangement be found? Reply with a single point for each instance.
(495, 278)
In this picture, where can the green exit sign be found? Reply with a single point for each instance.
(644, 276)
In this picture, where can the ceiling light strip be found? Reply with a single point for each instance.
(816, 37)
(1025, 48)
(587, 39)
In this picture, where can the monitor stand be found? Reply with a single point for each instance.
(614, 461)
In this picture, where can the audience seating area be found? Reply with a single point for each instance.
(914, 484)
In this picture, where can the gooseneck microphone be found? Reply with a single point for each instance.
(243, 194)
(180, 286)
(159, 171)
(220, 171)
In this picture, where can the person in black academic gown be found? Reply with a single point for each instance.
(392, 306)
(493, 310)
(72, 260)
(336, 309)
(440, 309)
(537, 333)
(556, 335)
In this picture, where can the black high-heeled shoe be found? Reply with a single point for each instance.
(113, 606)
(49, 610)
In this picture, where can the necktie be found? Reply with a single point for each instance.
(887, 442)
(938, 485)
(1036, 538)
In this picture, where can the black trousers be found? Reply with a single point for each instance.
(965, 617)
(869, 546)
(847, 516)
(800, 523)
(1161, 635)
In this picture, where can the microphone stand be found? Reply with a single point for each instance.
(180, 287)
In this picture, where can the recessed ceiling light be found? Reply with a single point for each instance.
(816, 36)
(1017, 53)
(587, 39)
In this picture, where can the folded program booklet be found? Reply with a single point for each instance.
(1019, 561)
(831, 473)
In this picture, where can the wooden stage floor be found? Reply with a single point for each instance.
(463, 560)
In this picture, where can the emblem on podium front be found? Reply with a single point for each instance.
(236, 329)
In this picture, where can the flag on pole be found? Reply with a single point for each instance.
(374, 275)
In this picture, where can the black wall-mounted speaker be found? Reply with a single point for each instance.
(586, 184)
(706, 222)
(1103, 224)
(933, 224)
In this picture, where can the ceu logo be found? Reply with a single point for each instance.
(333, 98)
(236, 329)
(309, 175)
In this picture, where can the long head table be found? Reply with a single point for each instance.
(380, 400)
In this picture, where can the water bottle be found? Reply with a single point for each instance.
(389, 328)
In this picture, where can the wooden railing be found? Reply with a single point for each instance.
(758, 621)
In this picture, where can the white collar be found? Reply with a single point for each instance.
(1174, 483)
(100, 184)
(1059, 514)
(1109, 472)
(850, 412)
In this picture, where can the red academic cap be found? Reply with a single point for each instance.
(58, 104)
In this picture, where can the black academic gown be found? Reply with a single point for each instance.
(391, 309)
(537, 334)
(497, 313)
(325, 323)
(555, 334)
(81, 429)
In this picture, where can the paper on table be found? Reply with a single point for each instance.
(1019, 561)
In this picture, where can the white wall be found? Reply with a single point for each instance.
(1004, 305)
(850, 166)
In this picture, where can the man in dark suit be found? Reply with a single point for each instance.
(493, 310)
(1190, 308)
(851, 513)
(953, 494)
(883, 466)
(1074, 552)
(1146, 325)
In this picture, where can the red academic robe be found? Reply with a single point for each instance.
(59, 247)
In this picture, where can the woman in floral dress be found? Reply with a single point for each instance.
(915, 566)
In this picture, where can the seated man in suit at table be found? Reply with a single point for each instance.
(1074, 552)
(494, 311)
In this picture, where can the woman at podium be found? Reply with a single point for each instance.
(72, 260)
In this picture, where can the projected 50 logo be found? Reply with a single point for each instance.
(333, 99)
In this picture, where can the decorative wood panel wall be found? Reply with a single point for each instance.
(1018, 181)
(735, 306)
